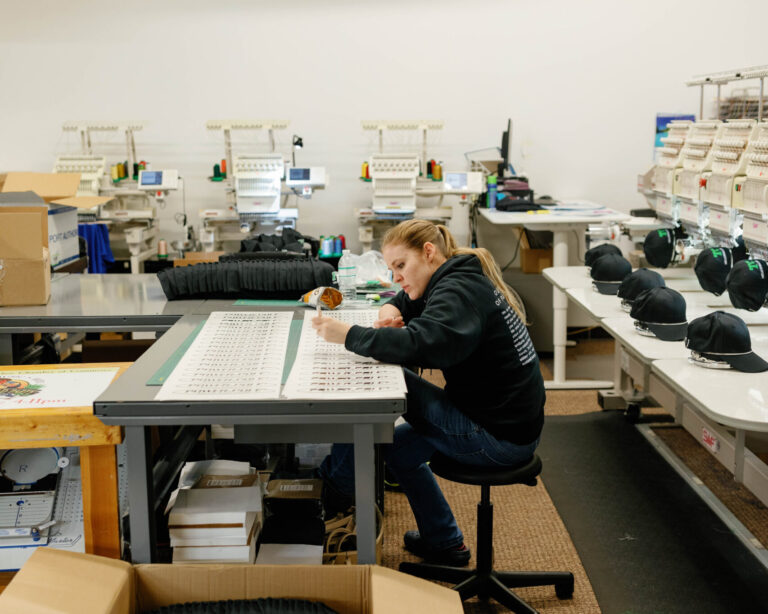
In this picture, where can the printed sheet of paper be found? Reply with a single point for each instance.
(53, 387)
(329, 371)
(238, 355)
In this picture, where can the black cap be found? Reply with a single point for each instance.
(601, 250)
(724, 337)
(712, 267)
(608, 271)
(637, 281)
(747, 284)
(659, 247)
(662, 312)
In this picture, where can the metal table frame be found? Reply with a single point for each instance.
(130, 402)
(94, 303)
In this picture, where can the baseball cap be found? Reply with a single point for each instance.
(747, 284)
(659, 247)
(712, 267)
(608, 271)
(723, 337)
(660, 311)
(600, 250)
(634, 283)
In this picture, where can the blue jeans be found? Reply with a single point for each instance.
(433, 424)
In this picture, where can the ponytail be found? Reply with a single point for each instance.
(415, 233)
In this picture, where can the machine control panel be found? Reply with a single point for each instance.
(160, 181)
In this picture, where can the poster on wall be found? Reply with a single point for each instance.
(662, 127)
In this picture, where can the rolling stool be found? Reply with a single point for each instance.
(484, 581)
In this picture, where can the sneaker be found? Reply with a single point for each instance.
(456, 556)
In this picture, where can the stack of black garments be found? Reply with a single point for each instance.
(267, 278)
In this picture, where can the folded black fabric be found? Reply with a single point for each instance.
(293, 530)
(268, 278)
(247, 606)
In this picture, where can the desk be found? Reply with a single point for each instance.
(94, 303)
(708, 403)
(560, 223)
(131, 402)
(76, 426)
(723, 410)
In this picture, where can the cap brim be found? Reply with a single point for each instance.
(669, 332)
(606, 287)
(748, 363)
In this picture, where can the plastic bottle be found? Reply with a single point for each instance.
(491, 191)
(347, 275)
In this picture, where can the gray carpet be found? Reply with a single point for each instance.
(647, 542)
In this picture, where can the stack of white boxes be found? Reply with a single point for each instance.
(216, 515)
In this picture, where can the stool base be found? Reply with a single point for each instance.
(495, 584)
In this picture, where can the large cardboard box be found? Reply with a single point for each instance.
(57, 191)
(59, 582)
(25, 273)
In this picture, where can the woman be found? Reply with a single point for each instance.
(454, 313)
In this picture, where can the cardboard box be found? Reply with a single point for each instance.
(68, 583)
(25, 277)
(57, 191)
(533, 260)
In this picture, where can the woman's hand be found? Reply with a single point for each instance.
(331, 329)
(394, 322)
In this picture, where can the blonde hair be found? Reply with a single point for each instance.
(413, 234)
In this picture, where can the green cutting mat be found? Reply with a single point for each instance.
(158, 379)
(264, 302)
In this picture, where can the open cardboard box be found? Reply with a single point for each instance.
(57, 191)
(59, 582)
(25, 264)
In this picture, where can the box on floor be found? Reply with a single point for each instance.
(68, 583)
(58, 192)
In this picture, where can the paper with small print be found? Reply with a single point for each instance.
(238, 355)
(325, 370)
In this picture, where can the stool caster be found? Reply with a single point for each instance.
(564, 589)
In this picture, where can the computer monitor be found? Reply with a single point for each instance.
(506, 142)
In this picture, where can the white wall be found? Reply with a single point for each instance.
(582, 82)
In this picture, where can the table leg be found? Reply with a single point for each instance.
(6, 349)
(141, 494)
(101, 516)
(365, 478)
(560, 324)
(739, 450)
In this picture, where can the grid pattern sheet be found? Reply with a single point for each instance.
(325, 370)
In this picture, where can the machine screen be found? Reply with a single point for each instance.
(456, 181)
(299, 174)
(152, 178)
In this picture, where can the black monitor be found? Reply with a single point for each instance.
(506, 142)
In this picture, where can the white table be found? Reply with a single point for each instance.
(560, 221)
(725, 410)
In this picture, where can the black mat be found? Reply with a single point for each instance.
(648, 543)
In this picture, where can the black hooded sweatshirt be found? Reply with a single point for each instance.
(464, 326)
